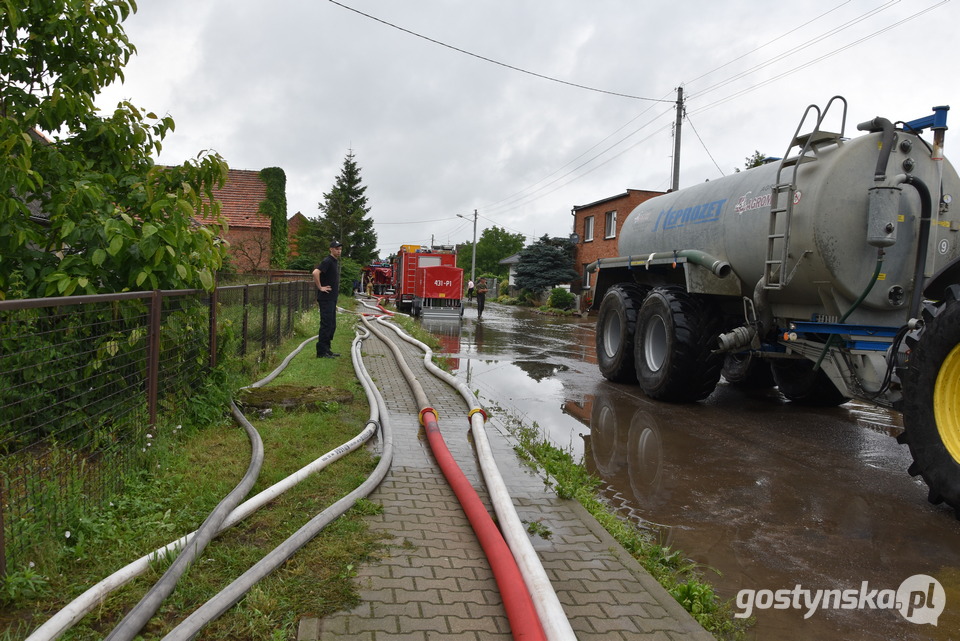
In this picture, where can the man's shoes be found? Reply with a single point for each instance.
(328, 355)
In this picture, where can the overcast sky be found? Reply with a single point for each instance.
(436, 132)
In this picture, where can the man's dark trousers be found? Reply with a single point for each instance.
(328, 324)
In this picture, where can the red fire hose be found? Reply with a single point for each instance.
(524, 622)
(516, 599)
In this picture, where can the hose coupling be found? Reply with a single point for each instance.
(737, 339)
(476, 410)
(424, 411)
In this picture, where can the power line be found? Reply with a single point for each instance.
(768, 43)
(416, 222)
(704, 145)
(519, 195)
(510, 203)
(804, 45)
(517, 198)
(532, 195)
(593, 169)
(491, 60)
(818, 59)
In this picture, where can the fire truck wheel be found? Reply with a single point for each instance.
(743, 370)
(673, 347)
(615, 327)
(801, 384)
(931, 401)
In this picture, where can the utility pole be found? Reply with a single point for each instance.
(676, 141)
(473, 259)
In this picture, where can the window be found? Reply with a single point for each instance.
(588, 229)
(610, 225)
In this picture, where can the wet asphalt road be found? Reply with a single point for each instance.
(764, 495)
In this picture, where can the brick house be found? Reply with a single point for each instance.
(598, 226)
(294, 224)
(248, 230)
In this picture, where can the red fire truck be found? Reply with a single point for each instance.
(377, 278)
(427, 281)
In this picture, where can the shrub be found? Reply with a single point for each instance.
(560, 299)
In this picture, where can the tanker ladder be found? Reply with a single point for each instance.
(781, 215)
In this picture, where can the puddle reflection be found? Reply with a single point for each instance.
(769, 494)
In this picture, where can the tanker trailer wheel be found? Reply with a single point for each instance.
(801, 384)
(673, 348)
(747, 371)
(931, 402)
(615, 326)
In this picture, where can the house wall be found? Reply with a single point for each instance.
(249, 248)
(603, 243)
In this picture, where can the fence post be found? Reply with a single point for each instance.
(153, 356)
(213, 323)
(279, 331)
(246, 319)
(290, 302)
(263, 328)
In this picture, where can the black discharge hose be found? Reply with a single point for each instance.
(923, 240)
(134, 621)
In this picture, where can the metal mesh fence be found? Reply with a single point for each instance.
(82, 380)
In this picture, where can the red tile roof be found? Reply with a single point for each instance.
(240, 197)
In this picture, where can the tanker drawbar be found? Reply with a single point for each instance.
(832, 273)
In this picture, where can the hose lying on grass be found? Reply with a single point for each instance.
(74, 611)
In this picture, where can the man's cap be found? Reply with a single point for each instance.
(335, 243)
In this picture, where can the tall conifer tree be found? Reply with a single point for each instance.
(345, 215)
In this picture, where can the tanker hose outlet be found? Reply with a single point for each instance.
(923, 238)
(886, 143)
(737, 339)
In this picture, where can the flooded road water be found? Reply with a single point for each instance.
(764, 495)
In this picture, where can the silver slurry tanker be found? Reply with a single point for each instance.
(833, 273)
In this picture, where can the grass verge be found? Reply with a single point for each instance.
(197, 456)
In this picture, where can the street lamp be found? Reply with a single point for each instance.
(473, 259)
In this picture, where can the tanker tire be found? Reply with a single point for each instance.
(748, 372)
(616, 321)
(931, 402)
(803, 385)
(673, 347)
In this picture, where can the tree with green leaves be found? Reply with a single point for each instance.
(494, 245)
(753, 160)
(344, 217)
(87, 210)
(546, 263)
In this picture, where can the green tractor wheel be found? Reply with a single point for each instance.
(931, 401)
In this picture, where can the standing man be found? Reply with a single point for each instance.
(326, 276)
(470, 290)
(481, 296)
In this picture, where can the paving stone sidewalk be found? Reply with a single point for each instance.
(434, 581)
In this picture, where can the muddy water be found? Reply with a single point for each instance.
(765, 496)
